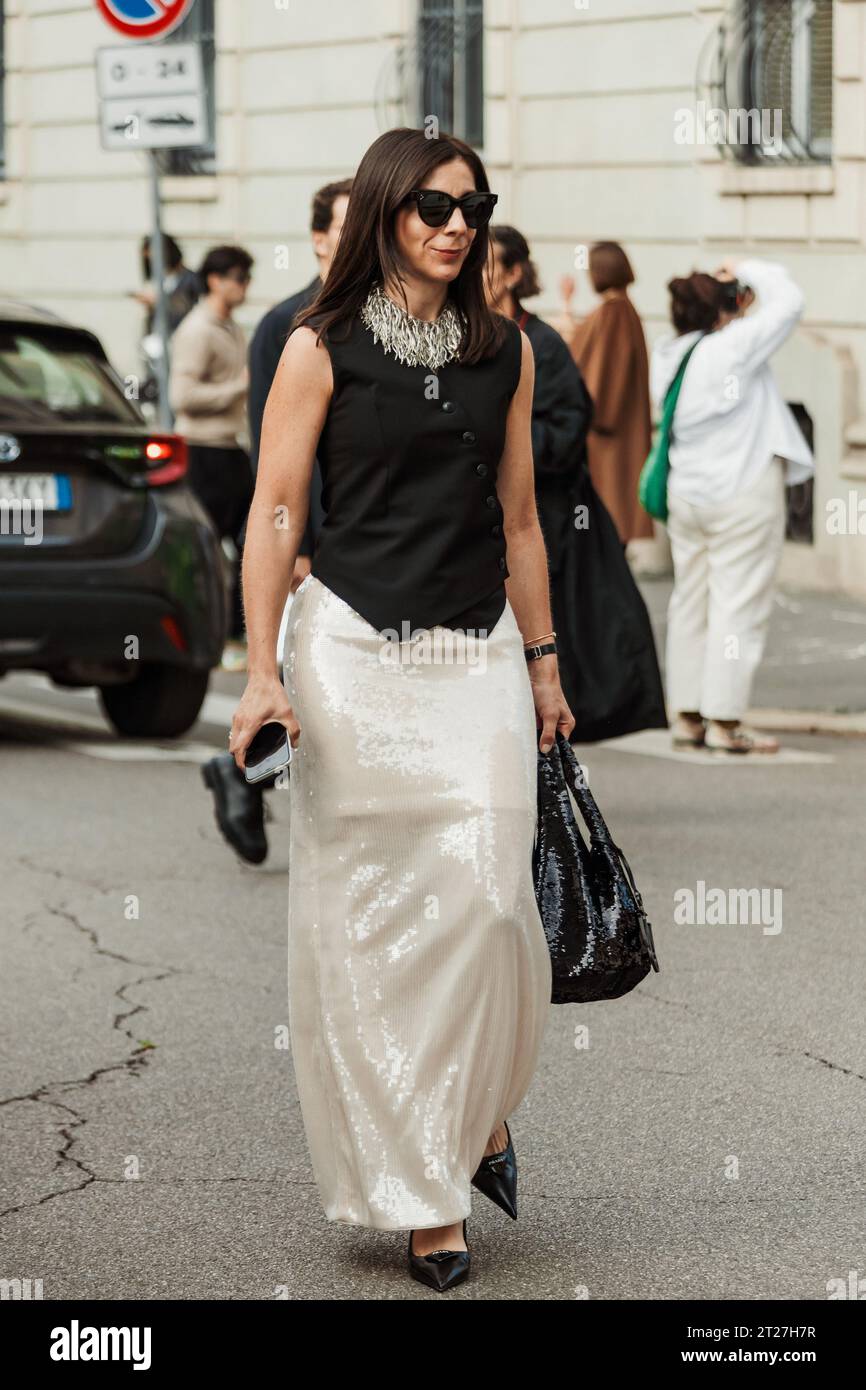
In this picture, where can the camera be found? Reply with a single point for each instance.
(732, 295)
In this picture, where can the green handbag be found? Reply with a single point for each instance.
(652, 489)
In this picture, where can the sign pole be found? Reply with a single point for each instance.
(152, 97)
(160, 318)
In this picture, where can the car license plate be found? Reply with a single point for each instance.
(51, 491)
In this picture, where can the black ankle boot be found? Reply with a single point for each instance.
(239, 807)
(497, 1177)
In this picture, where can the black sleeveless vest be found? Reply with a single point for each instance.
(413, 530)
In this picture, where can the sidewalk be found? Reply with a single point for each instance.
(813, 676)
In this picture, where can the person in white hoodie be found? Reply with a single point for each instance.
(735, 446)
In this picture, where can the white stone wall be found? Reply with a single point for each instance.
(294, 109)
(593, 90)
(580, 109)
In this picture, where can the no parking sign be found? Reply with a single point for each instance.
(144, 19)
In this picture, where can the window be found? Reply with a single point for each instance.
(48, 376)
(198, 27)
(769, 70)
(450, 77)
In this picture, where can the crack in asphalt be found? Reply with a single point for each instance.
(834, 1066)
(91, 935)
(132, 1065)
(780, 1051)
(180, 1182)
(64, 875)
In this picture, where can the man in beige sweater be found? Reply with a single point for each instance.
(207, 390)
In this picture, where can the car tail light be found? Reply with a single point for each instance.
(173, 633)
(167, 459)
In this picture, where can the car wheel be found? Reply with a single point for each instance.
(160, 702)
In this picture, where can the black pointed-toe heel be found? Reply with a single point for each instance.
(496, 1177)
(441, 1269)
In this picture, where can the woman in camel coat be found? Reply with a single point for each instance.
(609, 348)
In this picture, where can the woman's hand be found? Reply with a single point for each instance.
(264, 701)
(551, 710)
(747, 298)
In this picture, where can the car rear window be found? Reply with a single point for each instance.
(48, 378)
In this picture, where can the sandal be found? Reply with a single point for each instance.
(720, 739)
(688, 733)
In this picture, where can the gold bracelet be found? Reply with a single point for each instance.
(537, 640)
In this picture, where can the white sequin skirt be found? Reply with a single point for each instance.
(419, 973)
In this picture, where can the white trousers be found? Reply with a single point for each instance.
(726, 557)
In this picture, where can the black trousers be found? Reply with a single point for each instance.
(222, 480)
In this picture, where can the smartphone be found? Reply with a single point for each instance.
(268, 753)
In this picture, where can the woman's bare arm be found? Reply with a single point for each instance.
(294, 415)
(528, 586)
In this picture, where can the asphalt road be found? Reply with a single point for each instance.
(816, 650)
(703, 1138)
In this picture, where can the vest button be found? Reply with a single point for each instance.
(502, 562)
(481, 469)
(496, 530)
(448, 406)
(490, 501)
(468, 437)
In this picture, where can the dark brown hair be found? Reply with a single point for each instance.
(397, 162)
(515, 251)
(220, 260)
(172, 256)
(609, 267)
(323, 204)
(695, 301)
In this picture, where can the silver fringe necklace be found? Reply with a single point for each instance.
(413, 341)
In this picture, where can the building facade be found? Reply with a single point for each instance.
(687, 132)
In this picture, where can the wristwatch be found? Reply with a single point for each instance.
(536, 653)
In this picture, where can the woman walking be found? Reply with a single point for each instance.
(610, 349)
(735, 446)
(606, 651)
(419, 973)
(561, 404)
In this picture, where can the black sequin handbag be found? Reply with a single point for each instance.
(599, 936)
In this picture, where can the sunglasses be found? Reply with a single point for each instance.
(240, 277)
(435, 208)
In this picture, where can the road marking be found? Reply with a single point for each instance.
(217, 709)
(66, 715)
(656, 743)
(52, 716)
(63, 727)
(144, 752)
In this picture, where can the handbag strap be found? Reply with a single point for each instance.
(586, 803)
(672, 394)
(588, 807)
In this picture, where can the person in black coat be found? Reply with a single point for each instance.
(269, 339)
(239, 807)
(606, 651)
(266, 349)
